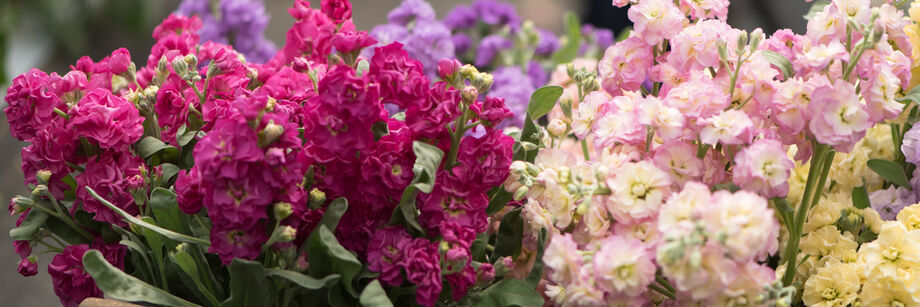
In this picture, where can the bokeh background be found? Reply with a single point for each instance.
(53, 34)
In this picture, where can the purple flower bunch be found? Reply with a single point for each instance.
(413, 24)
(240, 23)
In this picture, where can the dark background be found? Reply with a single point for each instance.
(53, 34)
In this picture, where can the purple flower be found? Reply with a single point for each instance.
(462, 42)
(489, 47)
(911, 145)
(411, 10)
(548, 43)
(889, 202)
(429, 43)
(461, 17)
(512, 84)
(497, 13)
(241, 23)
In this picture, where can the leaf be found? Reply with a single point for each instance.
(816, 7)
(499, 198)
(783, 205)
(510, 234)
(304, 281)
(165, 232)
(187, 265)
(247, 285)
(860, 197)
(509, 292)
(781, 62)
(427, 160)
(169, 171)
(891, 171)
(149, 146)
(334, 213)
(543, 100)
(184, 136)
(166, 210)
(912, 96)
(326, 256)
(380, 129)
(121, 286)
(572, 40)
(33, 221)
(374, 296)
(478, 247)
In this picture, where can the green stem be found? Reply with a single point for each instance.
(68, 221)
(661, 290)
(61, 113)
(817, 176)
(665, 283)
(49, 246)
(584, 150)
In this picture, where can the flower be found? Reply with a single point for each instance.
(337, 10)
(638, 189)
(763, 167)
(562, 258)
(71, 283)
(114, 176)
(108, 120)
(624, 265)
(910, 217)
(656, 20)
(835, 284)
(839, 119)
(895, 249)
(731, 127)
(30, 105)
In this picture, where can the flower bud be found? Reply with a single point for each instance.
(283, 210)
(696, 258)
(467, 71)
(448, 69)
(518, 167)
(180, 66)
(288, 234)
(270, 133)
(270, 104)
(556, 127)
(192, 61)
(533, 169)
(469, 94)
(213, 70)
(565, 104)
(21, 204)
(43, 176)
(301, 264)
(520, 193)
(723, 49)
(482, 82)
(40, 190)
(742, 41)
(317, 198)
(528, 146)
(756, 38)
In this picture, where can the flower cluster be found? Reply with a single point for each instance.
(641, 148)
(414, 24)
(240, 23)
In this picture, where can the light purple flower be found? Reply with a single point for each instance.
(512, 84)
(489, 47)
(548, 43)
(411, 10)
(890, 201)
(461, 17)
(241, 24)
(497, 13)
(911, 145)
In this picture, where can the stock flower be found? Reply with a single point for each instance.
(835, 284)
(624, 265)
(237, 242)
(763, 167)
(888, 291)
(421, 264)
(910, 146)
(748, 223)
(638, 189)
(515, 87)
(705, 9)
(680, 159)
(656, 20)
(114, 176)
(895, 249)
(341, 117)
(562, 258)
(71, 283)
(401, 77)
(625, 65)
(910, 217)
(337, 10)
(890, 201)
(731, 127)
(839, 119)
(30, 105)
(678, 214)
(109, 120)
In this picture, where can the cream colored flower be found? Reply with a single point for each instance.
(872, 219)
(910, 217)
(889, 291)
(827, 212)
(825, 241)
(836, 284)
(638, 189)
(895, 249)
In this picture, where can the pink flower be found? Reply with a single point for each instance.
(621, 123)
(562, 259)
(31, 105)
(402, 79)
(656, 20)
(421, 263)
(177, 25)
(731, 127)
(484, 161)
(341, 116)
(491, 111)
(705, 9)
(109, 120)
(188, 191)
(625, 65)
(71, 283)
(696, 47)
(680, 159)
(429, 119)
(383, 254)
(237, 242)
(51, 150)
(337, 10)
(453, 202)
(624, 265)
(460, 282)
(838, 119)
(27, 267)
(118, 62)
(637, 190)
(763, 167)
(311, 35)
(790, 105)
(352, 42)
(113, 176)
(698, 97)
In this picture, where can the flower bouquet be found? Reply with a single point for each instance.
(693, 164)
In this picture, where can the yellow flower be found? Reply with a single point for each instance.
(826, 241)
(910, 217)
(895, 249)
(913, 32)
(825, 213)
(835, 284)
(848, 169)
(889, 291)
(872, 219)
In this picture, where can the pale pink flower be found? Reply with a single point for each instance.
(731, 127)
(819, 56)
(790, 105)
(702, 9)
(624, 265)
(680, 159)
(625, 65)
(679, 214)
(880, 91)
(562, 258)
(696, 47)
(700, 272)
(764, 168)
(748, 225)
(656, 20)
(637, 190)
(838, 117)
(826, 26)
(620, 123)
(699, 97)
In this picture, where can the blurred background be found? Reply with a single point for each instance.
(53, 34)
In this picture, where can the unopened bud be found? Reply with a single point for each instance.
(213, 70)
(270, 133)
(467, 71)
(518, 167)
(448, 69)
(723, 50)
(482, 82)
(283, 210)
(528, 146)
(564, 175)
(570, 70)
(180, 66)
(288, 234)
(43, 176)
(469, 94)
(696, 258)
(40, 190)
(270, 104)
(742, 41)
(533, 170)
(192, 61)
(556, 127)
(756, 38)
(301, 263)
(317, 198)
(520, 193)
(21, 204)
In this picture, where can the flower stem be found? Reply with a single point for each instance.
(584, 150)
(814, 185)
(61, 113)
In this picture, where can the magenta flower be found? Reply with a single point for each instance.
(402, 79)
(337, 10)
(113, 176)
(384, 255)
(421, 263)
(71, 283)
(233, 242)
(31, 104)
(108, 120)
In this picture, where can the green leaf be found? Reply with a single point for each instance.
(121, 286)
(33, 221)
(131, 219)
(478, 247)
(912, 96)
(166, 210)
(247, 285)
(891, 171)
(499, 198)
(334, 213)
(860, 197)
(184, 136)
(304, 281)
(816, 7)
(189, 267)
(149, 146)
(510, 234)
(427, 160)
(543, 100)
(781, 62)
(569, 51)
(783, 205)
(169, 171)
(509, 292)
(326, 256)
(374, 296)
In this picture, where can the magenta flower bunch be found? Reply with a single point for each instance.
(202, 178)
